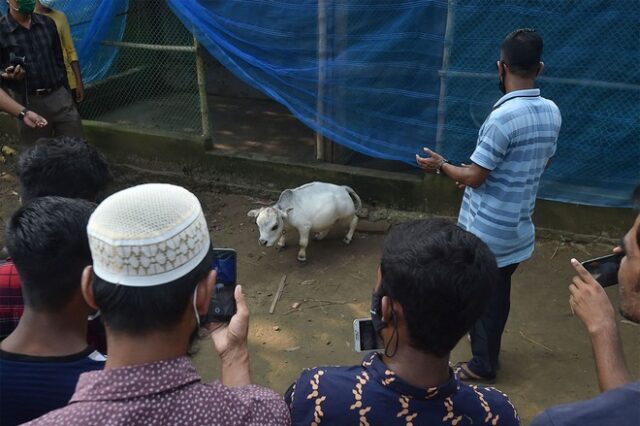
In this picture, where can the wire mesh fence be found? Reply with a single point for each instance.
(590, 54)
(153, 81)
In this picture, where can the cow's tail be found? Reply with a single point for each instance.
(356, 199)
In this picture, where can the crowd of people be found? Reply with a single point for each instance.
(102, 298)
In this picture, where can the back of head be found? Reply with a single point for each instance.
(47, 239)
(151, 247)
(63, 166)
(442, 276)
(522, 52)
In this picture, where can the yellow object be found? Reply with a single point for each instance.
(68, 49)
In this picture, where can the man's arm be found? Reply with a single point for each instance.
(591, 304)
(72, 56)
(12, 107)
(472, 175)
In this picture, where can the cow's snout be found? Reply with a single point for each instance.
(262, 242)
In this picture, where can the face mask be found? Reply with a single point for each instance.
(48, 3)
(195, 292)
(376, 312)
(501, 85)
(25, 6)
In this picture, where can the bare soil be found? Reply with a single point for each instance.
(546, 356)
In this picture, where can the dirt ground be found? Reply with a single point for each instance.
(546, 356)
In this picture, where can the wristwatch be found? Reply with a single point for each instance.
(439, 171)
(22, 114)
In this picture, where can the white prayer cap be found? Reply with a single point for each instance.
(147, 235)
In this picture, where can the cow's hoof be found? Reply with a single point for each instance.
(302, 258)
(346, 240)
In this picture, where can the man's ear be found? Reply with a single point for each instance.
(204, 290)
(540, 69)
(391, 311)
(86, 285)
(254, 212)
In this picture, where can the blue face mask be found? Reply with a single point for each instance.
(48, 3)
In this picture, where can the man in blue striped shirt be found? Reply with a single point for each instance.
(515, 145)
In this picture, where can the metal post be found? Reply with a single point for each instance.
(446, 54)
(202, 93)
(322, 65)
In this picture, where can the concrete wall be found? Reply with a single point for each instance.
(431, 194)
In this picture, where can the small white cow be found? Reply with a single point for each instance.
(314, 207)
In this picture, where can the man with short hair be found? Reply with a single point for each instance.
(618, 404)
(152, 280)
(515, 144)
(434, 282)
(32, 66)
(40, 361)
(65, 167)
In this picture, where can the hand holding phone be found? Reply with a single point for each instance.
(590, 303)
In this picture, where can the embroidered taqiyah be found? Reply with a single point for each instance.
(147, 235)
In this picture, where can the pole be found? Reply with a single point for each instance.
(322, 64)
(446, 55)
(202, 93)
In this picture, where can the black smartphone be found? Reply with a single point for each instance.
(365, 337)
(223, 303)
(605, 268)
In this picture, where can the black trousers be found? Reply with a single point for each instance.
(486, 334)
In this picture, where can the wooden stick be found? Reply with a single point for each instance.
(276, 297)
(529, 339)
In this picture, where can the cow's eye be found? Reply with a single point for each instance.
(274, 227)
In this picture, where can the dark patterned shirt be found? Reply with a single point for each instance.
(11, 305)
(371, 394)
(165, 393)
(40, 45)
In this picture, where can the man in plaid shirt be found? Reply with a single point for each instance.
(66, 167)
(32, 67)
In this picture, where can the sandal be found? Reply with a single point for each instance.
(464, 372)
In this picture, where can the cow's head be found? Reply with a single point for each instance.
(270, 221)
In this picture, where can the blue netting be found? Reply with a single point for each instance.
(91, 22)
(381, 82)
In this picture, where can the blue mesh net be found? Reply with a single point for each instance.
(370, 74)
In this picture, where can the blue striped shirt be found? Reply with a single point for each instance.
(515, 143)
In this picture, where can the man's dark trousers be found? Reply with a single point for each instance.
(486, 334)
(59, 109)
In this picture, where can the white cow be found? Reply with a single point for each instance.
(314, 207)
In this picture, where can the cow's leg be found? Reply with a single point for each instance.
(352, 229)
(304, 242)
(281, 242)
(320, 235)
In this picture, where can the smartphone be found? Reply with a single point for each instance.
(223, 303)
(365, 338)
(604, 269)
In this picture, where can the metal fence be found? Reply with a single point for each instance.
(157, 78)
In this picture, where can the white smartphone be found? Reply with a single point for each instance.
(365, 338)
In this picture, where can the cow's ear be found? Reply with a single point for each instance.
(285, 213)
(254, 212)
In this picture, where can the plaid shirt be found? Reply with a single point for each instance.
(40, 45)
(11, 305)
